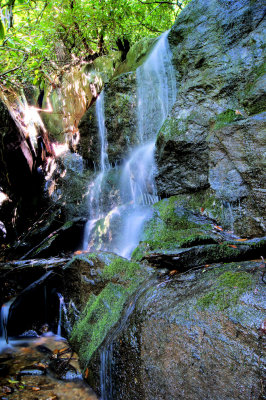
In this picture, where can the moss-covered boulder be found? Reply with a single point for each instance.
(195, 335)
(103, 286)
(213, 136)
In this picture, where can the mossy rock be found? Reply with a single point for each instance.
(227, 290)
(136, 55)
(119, 280)
(178, 222)
(227, 117)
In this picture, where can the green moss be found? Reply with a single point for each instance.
(138, 253)
(45, 245)
(171, 129)
(225, 118)
(99, 316)
(92, 256)
(102, 312)
(229, 287)
(121, 269)
(172, 225)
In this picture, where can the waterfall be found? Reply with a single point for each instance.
(156, 90)
(102, 132)
(116, 221)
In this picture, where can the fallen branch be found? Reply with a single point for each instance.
(186, 258)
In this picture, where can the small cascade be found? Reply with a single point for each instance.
(3, 324)
(156, 89)
(96, 186)
(118, 212)
(62, 308)
(104, 162)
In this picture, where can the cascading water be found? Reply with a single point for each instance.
(62, 308)
(3, 324)
(96, 187)
(116, 222)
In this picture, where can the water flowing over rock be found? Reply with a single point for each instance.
(117, 218)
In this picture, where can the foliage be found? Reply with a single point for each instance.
(39, 35)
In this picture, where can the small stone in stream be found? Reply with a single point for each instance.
(30, 333)
(7, 389)
(70, 376)
(44, 328)
(33, 371)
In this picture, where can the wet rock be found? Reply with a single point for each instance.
(19, 179)
(213, 136)
(30, 333)
(101, 305)
(195, 335)
(136, 55)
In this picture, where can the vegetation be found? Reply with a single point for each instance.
(38, 36)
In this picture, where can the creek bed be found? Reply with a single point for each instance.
(42, 368)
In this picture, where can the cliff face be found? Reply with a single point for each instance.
(213, 137)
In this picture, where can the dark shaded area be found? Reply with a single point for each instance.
(123, 46)
(21, 175)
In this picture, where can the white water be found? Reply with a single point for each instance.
(102, 132)
(62, 309)
(4, 342)
(118, 212)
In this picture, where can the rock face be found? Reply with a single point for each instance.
(214, 134)
(22, 160)
(70, 95)
(120, 122)
(195, 336)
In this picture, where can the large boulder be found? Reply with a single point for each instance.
(214, 135)
(100, 286)
(197, 335)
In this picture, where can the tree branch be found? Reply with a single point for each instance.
(14, 69)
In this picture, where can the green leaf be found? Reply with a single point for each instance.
(2, 30)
